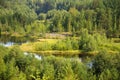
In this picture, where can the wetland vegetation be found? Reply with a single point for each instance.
(59, 40)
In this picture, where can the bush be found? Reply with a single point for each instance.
(60, 45)
(87, 42)
(43, 46)
(105, 66)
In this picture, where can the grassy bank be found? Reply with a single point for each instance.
(58, 47)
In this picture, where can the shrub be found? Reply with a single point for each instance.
(87, 42)
(43, 46)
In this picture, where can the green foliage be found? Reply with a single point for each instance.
(60, 16)
(22, 67)
(104, 66)
(92, 42)
(109, 74)
(3, 52)
(2, 67)
(87, 42)
(42, 16)
(92, 20)
(60, 45)
(79, 70)
(63, 68)
(43, 46)
(17, 66)
(36, 28)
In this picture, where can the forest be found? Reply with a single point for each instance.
(59, 39)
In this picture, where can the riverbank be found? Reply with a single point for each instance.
(56, 46)
(35, 47)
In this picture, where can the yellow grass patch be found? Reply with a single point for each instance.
(48, 40)
(27, 47)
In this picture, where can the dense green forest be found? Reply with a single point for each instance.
(14, 65)
(43, 16)
(74, 39)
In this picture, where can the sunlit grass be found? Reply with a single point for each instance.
(27, 47)
(51, 41)
(110, 47)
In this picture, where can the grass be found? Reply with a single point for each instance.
(30, 47)
(116, 40)
(51, 41)
(110, 47)
(56, 52)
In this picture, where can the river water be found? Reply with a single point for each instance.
(7, 44)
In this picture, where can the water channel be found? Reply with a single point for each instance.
(8, 41)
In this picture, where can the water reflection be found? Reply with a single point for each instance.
(7, 44)
(5, 38)
(90, 64)
(35, 55)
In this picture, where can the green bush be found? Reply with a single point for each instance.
(60, 45)
(105, 66)
(43, 46)
(87, 42)
(17, 66)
